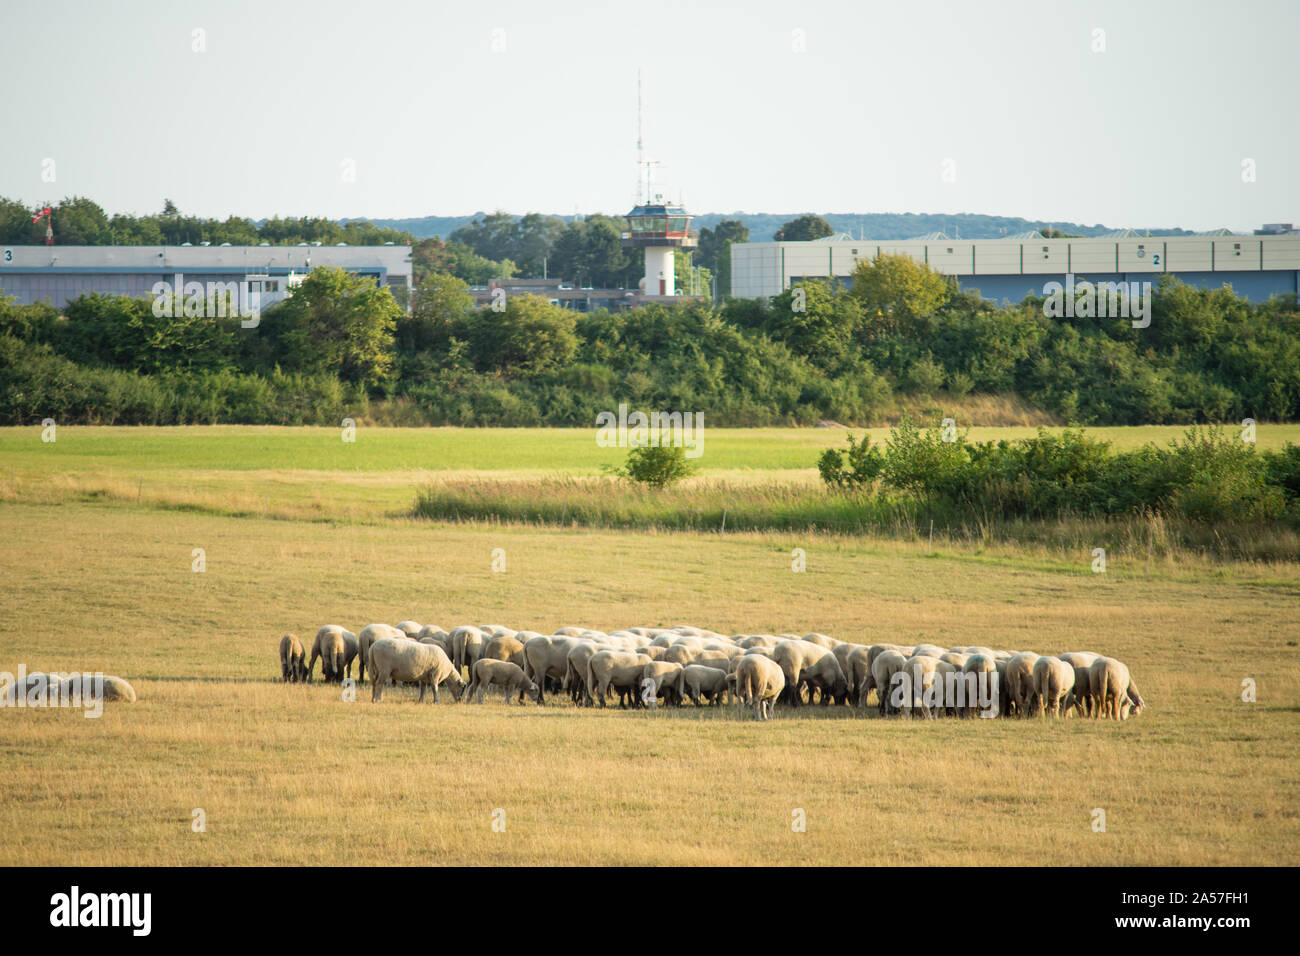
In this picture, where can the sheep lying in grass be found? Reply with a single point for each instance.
(89, 688)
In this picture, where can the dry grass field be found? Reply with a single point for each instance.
(297, 775)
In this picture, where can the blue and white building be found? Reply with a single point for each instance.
(1256, 266)
(59, 274)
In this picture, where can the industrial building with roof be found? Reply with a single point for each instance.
(1257, 266)
(59, 274)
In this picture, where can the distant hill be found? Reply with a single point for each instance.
(871, 225)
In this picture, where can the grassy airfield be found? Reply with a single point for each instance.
(299, 529)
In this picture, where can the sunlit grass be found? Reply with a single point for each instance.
(292, 774)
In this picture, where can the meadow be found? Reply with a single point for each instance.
(97, 564)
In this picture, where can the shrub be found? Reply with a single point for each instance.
(864, 464)
(656, 465)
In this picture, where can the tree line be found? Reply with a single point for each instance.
(584, 252)
(341, 346)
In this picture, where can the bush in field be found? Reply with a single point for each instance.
(656, 465)
(1046, 475)
(921, 462)
(860, 465)
(1283, 470)
(1211, 476)
(1215, 476)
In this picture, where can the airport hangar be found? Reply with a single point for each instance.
(59, 274)
(1256, 267)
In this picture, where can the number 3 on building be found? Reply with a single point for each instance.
(9, 255)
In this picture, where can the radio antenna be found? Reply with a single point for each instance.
(640, 141)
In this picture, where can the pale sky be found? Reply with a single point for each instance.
(448, 108)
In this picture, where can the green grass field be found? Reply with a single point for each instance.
(293, 774)
(312, 473)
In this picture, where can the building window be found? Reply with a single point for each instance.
(254, 285)
(271, 286)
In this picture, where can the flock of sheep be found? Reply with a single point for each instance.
(644, 665)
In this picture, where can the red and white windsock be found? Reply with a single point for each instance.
(48, 215)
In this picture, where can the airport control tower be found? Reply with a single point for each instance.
(658, 228)
(655, 225)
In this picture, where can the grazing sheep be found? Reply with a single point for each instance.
(438, 642)
(842, 651)
(957, 660)
(1020, 680)
(411, 662)
(547, 657)
(701, 680)
(504, 647)
(857, 672)
(821, 640)
(369, 634)
(943, 699)
(1135, 703)
(1004, 695)
(984, 668)
(920, 671)
(803, 661)
(884, 669)
(335, 647)
(682, 654)
(1053, 681)
(927, 650)
(758, 683)
(1081, 696)
(497, 673)
(1112, 690)
(466, 643)
(575, 672)
(615, 668)
(410, 629)
(667, 678)
(292, 657)
(716, 661)
(867, 680)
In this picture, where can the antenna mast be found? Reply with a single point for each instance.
(640, 134)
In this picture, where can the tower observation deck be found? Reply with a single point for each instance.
(659, 228)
